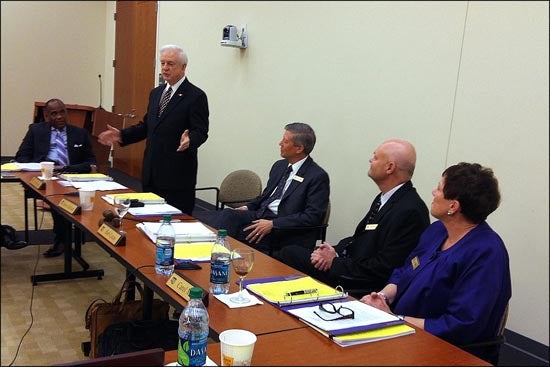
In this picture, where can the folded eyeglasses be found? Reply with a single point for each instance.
(330, 308)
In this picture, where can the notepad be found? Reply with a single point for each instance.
(144, 197)
(76, 177)
(279, 291)
(196, 251)
(16, 166)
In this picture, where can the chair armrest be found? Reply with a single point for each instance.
(211, 188)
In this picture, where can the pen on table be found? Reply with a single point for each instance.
(303, 291)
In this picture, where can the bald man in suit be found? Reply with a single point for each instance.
(383, 238)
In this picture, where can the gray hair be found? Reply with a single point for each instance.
(302, 135)
(178, 49)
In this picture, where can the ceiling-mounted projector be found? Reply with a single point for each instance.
(231, 38)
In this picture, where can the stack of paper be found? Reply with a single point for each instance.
(368, 324)
(154, 210)
(144, 197)
(16, 166)
(84, 177)
(186, 232)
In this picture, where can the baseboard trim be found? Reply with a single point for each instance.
(527, 346)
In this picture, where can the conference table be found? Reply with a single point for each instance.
(282, 338)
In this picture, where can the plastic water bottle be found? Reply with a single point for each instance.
(193, 331)
(220, 260)
(166, 239)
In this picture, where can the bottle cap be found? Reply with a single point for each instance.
(195, 292)
(167, 217)
(222, 232)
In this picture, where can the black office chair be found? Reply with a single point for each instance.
(489, 350)
(149, 357)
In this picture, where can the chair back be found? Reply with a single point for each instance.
(239, 187)
(149, 357)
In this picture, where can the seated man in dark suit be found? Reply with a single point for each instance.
(68, 146)
(296, 195)
(384, 238)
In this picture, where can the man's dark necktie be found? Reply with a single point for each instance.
(276, 194)
(164, 100)
(369, 218)
(61, 149)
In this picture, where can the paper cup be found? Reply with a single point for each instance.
(236, 347)
(47, 170)
(87, 197)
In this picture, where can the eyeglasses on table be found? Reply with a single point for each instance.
(330, 308)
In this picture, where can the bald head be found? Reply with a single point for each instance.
(403, 154)
(392, 163)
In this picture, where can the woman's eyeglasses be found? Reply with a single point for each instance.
(330, 308)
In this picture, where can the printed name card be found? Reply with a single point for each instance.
(182, 287)
(70, 206)
(37, 183)
(112, 235)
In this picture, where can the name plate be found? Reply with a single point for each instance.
(112, 235)
(182, 286)
(70, 206)
(37, 183)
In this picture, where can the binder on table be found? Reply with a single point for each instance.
(186, 232)
(80, 177)
(16, 167)
(294, 290)
(144, 197)
(367, 325)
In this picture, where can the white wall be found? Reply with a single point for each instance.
(359, 73)
(50, 49)
(362, 72)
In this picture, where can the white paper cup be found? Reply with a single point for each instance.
(236, 347)
(87, 197)
(47, 170)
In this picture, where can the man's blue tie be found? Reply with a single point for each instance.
(276, 194)
(61, 149)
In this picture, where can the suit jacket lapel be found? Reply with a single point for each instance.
(174, 101)
(294, 183)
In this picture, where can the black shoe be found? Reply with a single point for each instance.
(53, 251)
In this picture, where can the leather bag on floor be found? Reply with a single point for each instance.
(101, 314)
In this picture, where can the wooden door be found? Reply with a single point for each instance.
(134, 74)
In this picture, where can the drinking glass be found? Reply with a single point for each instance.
(122, 204)
(242, 261)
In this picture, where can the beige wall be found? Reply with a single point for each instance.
(462, 81)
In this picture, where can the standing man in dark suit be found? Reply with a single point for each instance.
(296, 195)
(76, 155)
(384, 238)
(175, 126)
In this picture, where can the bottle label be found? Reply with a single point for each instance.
(191, 353)
(219, 272)
(165, 256)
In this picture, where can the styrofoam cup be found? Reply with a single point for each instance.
(47, 170)
(87, 197)
(237, 346)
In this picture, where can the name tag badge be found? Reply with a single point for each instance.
(371, 227)
(415, 262)
(298, 178)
